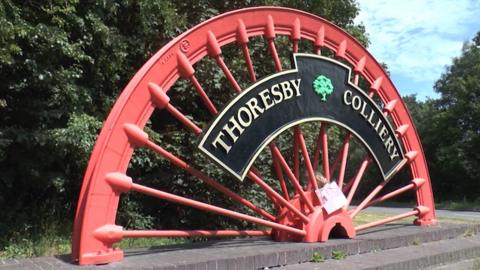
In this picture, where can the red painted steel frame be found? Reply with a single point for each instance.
(98, 200)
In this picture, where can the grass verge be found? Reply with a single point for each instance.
(463, 205)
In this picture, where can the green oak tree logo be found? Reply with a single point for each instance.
(323, 86)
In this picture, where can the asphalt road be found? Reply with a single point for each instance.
(467, 215)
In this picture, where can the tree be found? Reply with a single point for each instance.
(455, 139)
(63, 64)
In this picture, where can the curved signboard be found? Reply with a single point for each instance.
(318, 88)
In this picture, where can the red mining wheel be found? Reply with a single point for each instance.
(299, 217)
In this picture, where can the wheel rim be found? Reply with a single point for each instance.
(95, 230)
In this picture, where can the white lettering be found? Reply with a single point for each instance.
(246, 112)
(296, 85)
(383, 132)
(372, 113)
(394, 154)
(362, 112)
(389, 144)
(347, 94)
(277, 94)
(253, 109)
(230, 130)
(356, 103)
(377, 126)
(287, 90)
(253, 106)
(265, 99)
(369, 114)
(219, 140)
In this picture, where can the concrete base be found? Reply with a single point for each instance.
(260, 253)
(415, 256)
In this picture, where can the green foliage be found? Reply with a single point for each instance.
(150, 242)
(476, 264)
(46, 241)
(449, 127)
(415, 242)
(460, 205)
(339, 254)
(469, 232)
(317, 257)
(63, 64)
(458, 119)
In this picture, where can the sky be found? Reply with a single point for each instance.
(418, 39)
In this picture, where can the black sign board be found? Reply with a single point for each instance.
(318, 89)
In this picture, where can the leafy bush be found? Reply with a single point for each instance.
(339, 254)
(63, 63)
(317, 257)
